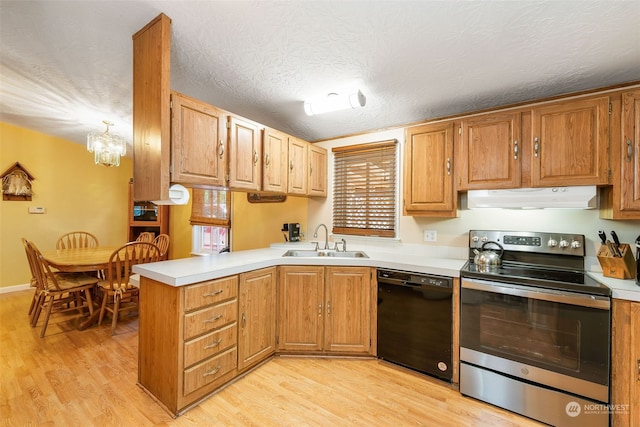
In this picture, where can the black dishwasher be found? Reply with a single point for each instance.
(415, 321)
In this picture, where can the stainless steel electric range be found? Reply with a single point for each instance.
(535, 330)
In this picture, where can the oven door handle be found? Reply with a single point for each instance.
(584, 300)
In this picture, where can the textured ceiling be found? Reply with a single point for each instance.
(67, 65)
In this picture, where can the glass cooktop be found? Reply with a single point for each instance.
(567, 280)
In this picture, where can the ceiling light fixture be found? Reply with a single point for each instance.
(107, 147)
(334, 102)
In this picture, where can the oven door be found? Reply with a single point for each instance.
(554, 338)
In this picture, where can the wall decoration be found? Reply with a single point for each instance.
(265, 198)
(16, 183)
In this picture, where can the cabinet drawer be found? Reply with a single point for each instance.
(210, 318)
(210, 344)
(211, 292)
(210, 370)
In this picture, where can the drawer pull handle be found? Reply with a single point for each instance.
(515, 150)
(221, 150)
(218, 317)
(213, 344)
(214, 293)
(212, 372)
(629, 150)
(536, 146)
(244, 320)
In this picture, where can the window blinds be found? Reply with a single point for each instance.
(210, 207)
(364, 189)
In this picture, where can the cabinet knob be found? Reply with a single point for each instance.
(536, 146)
(629, 150)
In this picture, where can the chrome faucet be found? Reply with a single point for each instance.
(326, 235)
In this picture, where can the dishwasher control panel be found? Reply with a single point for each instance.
(415, 279)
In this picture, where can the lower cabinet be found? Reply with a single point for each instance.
(326, 310)
(188, 339)
(625, 364)
(257, 317)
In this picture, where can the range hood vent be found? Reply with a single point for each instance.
(579, 197)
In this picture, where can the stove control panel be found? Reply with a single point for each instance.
(527, 241)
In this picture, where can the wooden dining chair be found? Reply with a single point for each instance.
(145, 236)
(37, 294)
(118, 294)
(162, 242)
(58, 292)
(77, 239)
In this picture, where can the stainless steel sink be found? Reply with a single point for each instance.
(348, 254)
(335, 254)
(300, 253)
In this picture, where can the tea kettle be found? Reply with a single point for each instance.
(488, 258)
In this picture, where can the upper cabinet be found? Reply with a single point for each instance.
(570, 141)
(245, 154)
(317, 171)
(275, 148)
(198, 142)
(490, 152)
(428, 171)
(630, 154)
(298, 153)
(151, 120)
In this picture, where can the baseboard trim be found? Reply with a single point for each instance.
(15, 288)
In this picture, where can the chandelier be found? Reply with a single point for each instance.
(107, 147)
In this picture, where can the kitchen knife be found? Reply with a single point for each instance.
(603, 236)
(616, 241)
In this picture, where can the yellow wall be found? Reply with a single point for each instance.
(76, 193)
(256, 225)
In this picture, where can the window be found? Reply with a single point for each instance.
(364, 189)
(211, 220)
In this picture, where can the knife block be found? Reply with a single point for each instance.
(623, 267)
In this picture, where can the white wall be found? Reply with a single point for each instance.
(454, 231)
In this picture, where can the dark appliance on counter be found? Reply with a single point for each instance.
(415, 321)
(291, 232)
(535, 332)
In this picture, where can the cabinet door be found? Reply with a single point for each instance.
(625, 363)
(317, 171)
(275, 147)
(257, 317)
(490, 152)
(348, 310)
(197, 140)
(298, 152)
(428, 171)
(570, 140)
(630, 158)
(245, 153)
(300, 308)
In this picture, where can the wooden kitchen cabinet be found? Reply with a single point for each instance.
(298, 166)
(490, 152)
(325, 310)
(625, 364)
(257, 317)
(275, 148)
(198, 142)
(622, 199)
(569, 140)
(317, 171)
(428, 171)
(245, 154)
(187, 339)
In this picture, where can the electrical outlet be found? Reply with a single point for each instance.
(430, 235)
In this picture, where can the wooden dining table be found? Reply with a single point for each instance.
(74, 260)
(81, 260)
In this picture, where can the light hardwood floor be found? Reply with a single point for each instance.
(88, 377)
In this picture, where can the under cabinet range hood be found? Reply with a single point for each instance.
(575, 197)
